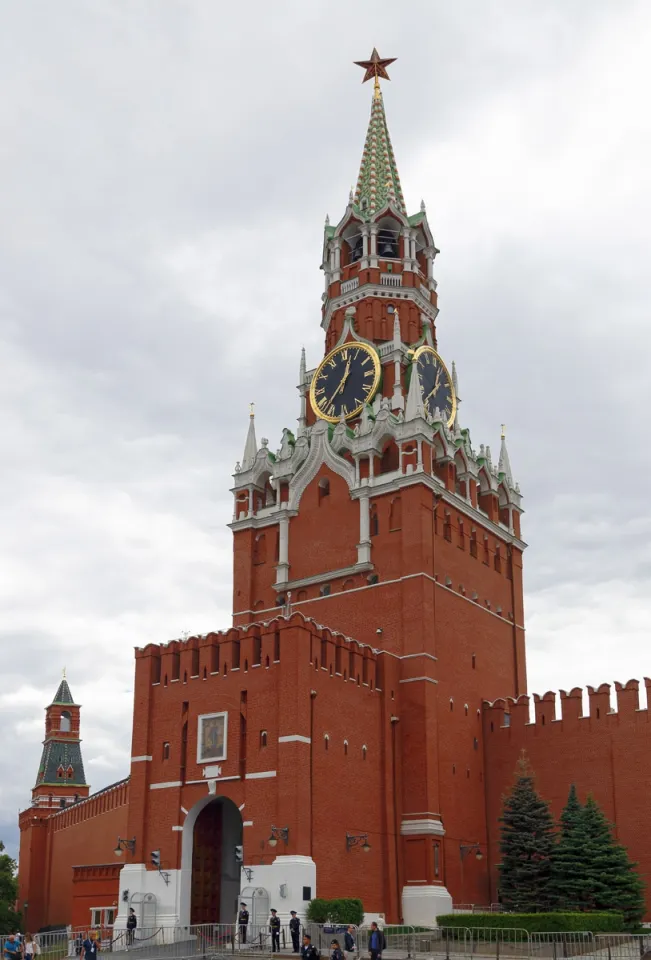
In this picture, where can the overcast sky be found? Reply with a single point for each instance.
(165, 171)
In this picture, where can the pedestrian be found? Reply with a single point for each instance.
(349, 941)
(12, 949)
(29, 947)
(295, 930)
(308, 951)
(274, 926)
(376, 942)
(243, 920)
(335, 951)
(90, 948)
(132, 923)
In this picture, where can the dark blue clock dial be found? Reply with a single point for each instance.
(346, 380)
(436, 385)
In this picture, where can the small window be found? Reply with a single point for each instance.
(60, 773)
(326, 740)
(451, 704)
(325, 590)
(497, 559)
(364, 752)
(257, 651)
(345, 748)
(437, 859)
(96, 918)
(324, 489)
(263, 738)
(474, 661)
(473, 544)
(195, 662)
(447, 528)
(166, 751)
(475, 744)
(277, 645)
(465, 709)
(110, 918)
(374, 523)
(65, 723)
(70, 773)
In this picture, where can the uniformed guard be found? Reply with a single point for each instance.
(243, 921)
(295, 930)
(274, 926)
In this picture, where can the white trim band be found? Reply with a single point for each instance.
(164, 786)
(140, 759)
(262, 775)
(294, 738)
(416, 679)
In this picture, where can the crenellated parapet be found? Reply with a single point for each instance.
(566, 710)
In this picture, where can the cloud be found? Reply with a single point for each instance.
(166, 172)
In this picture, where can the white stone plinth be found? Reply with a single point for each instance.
(423, 904)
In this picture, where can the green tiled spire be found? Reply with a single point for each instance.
(378, 181)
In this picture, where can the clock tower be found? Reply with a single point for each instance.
(379, 518)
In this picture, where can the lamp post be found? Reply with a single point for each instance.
(121, 845)
(464, 850)
(357, 840)
(278, 833)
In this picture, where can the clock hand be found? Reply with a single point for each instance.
(342, 382)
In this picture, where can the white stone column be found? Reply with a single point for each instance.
(374, 231)
(420, 455)
(282, 567)
(364, 545)
(406, 252)
(365, 241)
(250, 501)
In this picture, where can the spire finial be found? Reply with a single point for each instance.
(378, 182)
(252, 410)
(503, 434)
(64, 673)
(376, 67)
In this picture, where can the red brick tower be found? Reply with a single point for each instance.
(60, 781)
(381, 520)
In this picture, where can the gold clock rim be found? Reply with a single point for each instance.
(427, 349)
(377, 367)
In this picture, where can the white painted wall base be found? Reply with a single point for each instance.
(139, 881)
(422, 905)
(289, 872)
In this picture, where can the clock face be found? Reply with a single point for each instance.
(436, 384)
(346, 380)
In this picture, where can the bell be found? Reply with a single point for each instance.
(386, 249)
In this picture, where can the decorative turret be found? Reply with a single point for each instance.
(61, 779)
(251, 446)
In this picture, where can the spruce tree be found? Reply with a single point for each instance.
(527, 846)
(613, 883)
(570, 884)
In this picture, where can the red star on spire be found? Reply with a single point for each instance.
(376, 66)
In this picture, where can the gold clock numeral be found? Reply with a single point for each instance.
(320, 391)
(331, 410)
(368, 373)
(322, 402)
(366, 360)
(344, 354)
(357, 402)
(344, 409)
(332, 363)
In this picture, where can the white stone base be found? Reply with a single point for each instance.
(278, 885)
(283, 881)
(422, 905)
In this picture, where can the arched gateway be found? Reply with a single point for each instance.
(211, 833)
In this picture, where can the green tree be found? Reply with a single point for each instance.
(613, 883)
(527, 846)
(9, 919)
(570, 884)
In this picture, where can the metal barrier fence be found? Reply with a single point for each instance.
(216, 941)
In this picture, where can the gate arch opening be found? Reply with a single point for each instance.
(211, 871)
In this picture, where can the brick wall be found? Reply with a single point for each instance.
(604, 753)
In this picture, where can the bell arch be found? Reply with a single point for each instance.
(210, 883)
